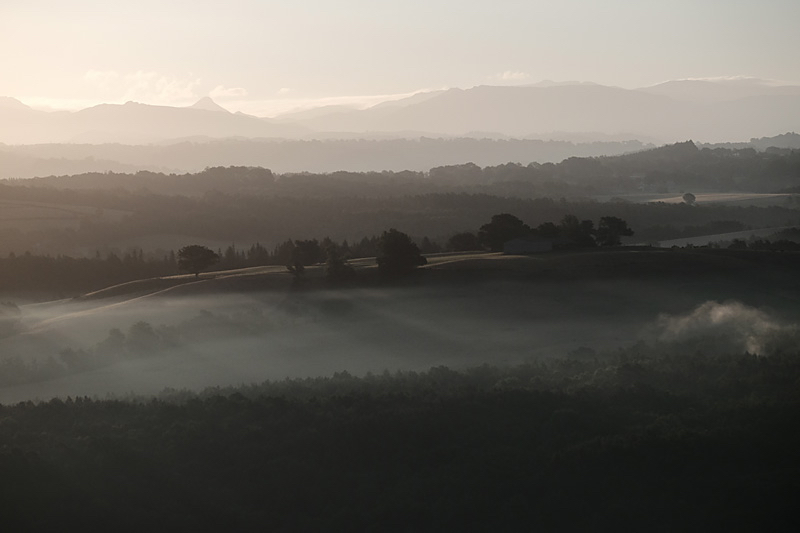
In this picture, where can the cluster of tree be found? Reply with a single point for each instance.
(62, 275)
(570, 232)
(562, 444)
(396, 255)
(311, 252)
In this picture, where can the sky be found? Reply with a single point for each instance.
(265, 56)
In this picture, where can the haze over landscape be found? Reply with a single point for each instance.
(426, 266)
(670, 71)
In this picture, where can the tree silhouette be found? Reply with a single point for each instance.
(307, 252)
(610, 229)
(547, 230)
(580, 232)
(397, 254)
(336, 267)
(502, 229)
(195, 258)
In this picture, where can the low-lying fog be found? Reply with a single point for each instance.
(173, 340)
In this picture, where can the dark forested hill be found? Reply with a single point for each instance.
(635, 441)
(82, 213)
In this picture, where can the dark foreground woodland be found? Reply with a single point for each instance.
(639, 440)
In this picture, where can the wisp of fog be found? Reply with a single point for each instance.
(729, 326)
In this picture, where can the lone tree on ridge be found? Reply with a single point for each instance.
(397, 254)
(196, 258)
(501, 229)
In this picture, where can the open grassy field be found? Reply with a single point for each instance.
(720, 198)
(29, 216)
(704, 240)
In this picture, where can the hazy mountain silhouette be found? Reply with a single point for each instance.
(712, 111)
(704, 110)
(207, 104)
(330, 114)
(725, 90)
(515, 111)
(551, 83)
(312, 113)
(134, 123)
(6, 102)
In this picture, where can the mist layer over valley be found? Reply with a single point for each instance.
(460, 311)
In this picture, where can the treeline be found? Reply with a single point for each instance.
(62, 275)
(671, 168)
(639, 440)
(311, 251)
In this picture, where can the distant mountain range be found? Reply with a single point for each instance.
(709, 111)
(703, 110)
(133, 123)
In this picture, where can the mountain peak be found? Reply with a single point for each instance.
(7, 102)
(207, 104)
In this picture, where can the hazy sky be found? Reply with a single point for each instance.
(259, 56)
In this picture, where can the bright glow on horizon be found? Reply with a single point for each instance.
(266, 57)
